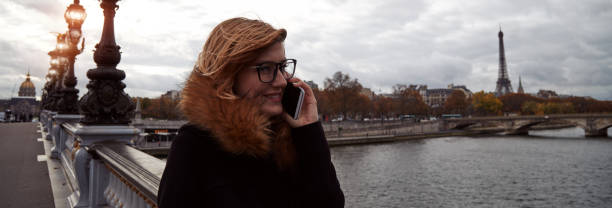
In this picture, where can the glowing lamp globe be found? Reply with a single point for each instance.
(62, 61)
(75, 15)
(54, 62)
(61, 46)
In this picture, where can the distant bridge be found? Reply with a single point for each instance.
(156, 136)
(594, 125)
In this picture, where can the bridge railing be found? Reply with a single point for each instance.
(101, 168)
(134, 176)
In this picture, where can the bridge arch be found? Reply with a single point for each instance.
(593, 124)
(522, 127)
(598, 127)
(464, 125)
(593, 127)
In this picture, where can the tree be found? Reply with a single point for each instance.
(555, 108)
(382, 105)
(161, 108)
(529, 108)
(321, 101)
(456, 103)
(343, 93)
(145, 103)
(363, 105)
(486, 104)
(408, 101)
(513, 102)
(589, 105)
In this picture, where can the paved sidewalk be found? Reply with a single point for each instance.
(24, 180)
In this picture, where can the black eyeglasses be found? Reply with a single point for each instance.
(267, 70)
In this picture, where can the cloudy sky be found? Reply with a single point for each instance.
(564, 46)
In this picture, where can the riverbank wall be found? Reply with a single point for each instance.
(355, 133)
(416, 131)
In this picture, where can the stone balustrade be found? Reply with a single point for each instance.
(101, 167)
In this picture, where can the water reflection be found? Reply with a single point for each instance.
(561, 169)
(574, 132)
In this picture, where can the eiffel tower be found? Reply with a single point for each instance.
(503, 82)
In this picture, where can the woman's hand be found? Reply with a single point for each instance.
(309, 113)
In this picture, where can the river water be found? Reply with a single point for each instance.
(551, 168)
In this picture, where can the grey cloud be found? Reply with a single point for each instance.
(160, 83)
(17, 60)
(559, 45)
(556, 56)
(10, 59)
(49, 8)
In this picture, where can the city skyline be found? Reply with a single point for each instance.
(561, 46)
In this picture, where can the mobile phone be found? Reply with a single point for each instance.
(292, 100)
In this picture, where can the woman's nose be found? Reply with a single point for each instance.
(279, 80)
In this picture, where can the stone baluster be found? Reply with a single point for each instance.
(122, 194)
(81, 198)
(49, 124)
(110, 193)
(43, 117)
(98, 180)
(57, 133)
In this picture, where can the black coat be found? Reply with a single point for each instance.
(199, 173)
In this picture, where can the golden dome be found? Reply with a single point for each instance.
(27, 88)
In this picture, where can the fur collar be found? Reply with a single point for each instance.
(238, 125)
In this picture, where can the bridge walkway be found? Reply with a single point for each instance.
(24, 176)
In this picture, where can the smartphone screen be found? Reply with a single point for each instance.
(292, 100)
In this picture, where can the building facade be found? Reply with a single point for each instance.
(172, 95)
(437, 97)
(547, 94)
(24, 107)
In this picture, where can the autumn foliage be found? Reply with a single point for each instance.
(456, 103)
(341, 96)
(408, 101)
(344, 97)
(513, 102)
(486, 104)
(529, 105)
(160, 108)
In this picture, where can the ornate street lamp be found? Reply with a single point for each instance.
(58, 63)
(105, 102)
(75, 16)
(106, 108)
(48, 97)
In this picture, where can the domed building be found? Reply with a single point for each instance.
(24, 107)
(27, 88)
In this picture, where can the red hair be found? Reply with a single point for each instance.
(232, 46)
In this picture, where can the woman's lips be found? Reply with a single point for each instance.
(275, 97)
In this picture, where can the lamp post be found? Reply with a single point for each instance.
(105, 102)
(106, 111)
(75, 16)
(48, 97)
(59, 62)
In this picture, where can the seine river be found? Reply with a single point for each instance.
(552, 168)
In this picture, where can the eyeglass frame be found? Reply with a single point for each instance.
(278, 65)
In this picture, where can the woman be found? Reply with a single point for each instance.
(240, 149)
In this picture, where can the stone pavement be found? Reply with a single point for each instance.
(24, 177)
